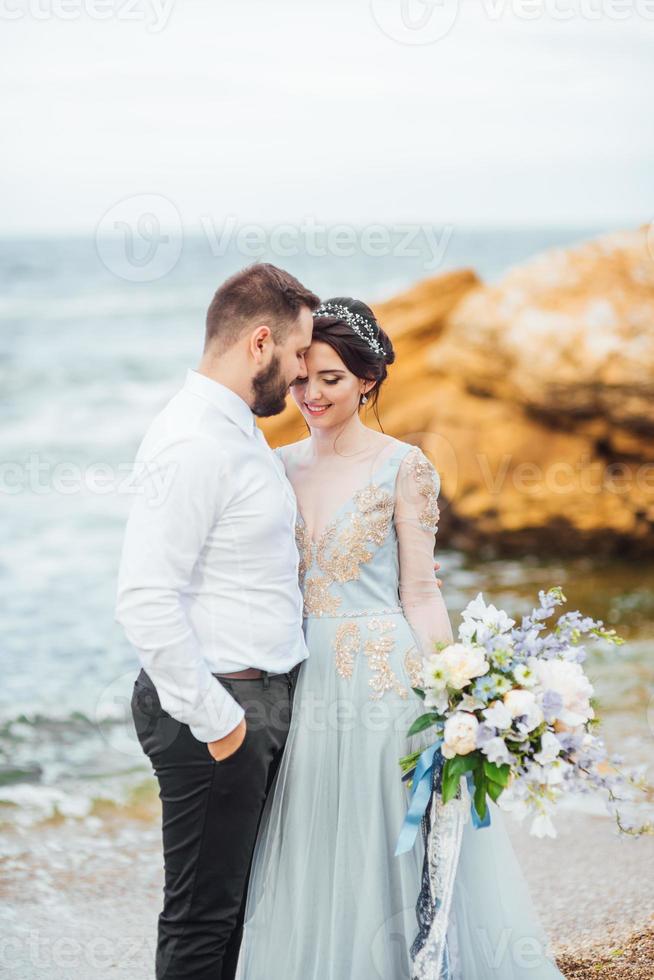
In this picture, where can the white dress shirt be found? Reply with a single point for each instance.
(208, 579)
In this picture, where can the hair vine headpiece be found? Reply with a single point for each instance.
(360, 324)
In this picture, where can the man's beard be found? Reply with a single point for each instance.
(270, 390)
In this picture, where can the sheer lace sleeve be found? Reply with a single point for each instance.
(416, 523)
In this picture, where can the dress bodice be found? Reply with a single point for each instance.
(353, 566)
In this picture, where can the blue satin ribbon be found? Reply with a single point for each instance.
(420, 796)
(477, 822)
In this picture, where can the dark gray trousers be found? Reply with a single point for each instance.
(210, 817)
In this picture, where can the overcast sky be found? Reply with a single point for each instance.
(336, 109)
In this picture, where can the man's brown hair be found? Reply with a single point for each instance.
(260, 292)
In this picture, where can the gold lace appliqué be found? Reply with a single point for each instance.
(339, 556)
(428, 482)
(347, 643)
(378, 650)
(413, 666)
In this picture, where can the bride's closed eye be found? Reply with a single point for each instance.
(303, 381)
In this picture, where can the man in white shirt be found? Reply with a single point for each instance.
(208, 594)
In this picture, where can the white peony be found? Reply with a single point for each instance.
(567, 679)
(462, 663)
(519, 703)
(460, 734)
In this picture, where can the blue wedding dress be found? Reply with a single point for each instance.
(327, 898)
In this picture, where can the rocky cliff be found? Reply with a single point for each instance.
(534, 397)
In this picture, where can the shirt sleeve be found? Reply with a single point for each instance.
(416, 523)
(178, 498)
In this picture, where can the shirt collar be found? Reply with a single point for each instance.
(229, 403)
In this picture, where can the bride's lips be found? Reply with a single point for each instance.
(318, 410)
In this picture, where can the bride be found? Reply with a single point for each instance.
(327, 898)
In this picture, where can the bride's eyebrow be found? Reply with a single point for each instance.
(330, 371)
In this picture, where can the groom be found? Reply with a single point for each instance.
(208, 594)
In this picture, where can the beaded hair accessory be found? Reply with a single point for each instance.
(360, 324)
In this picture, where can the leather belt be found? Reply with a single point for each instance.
(250, 673)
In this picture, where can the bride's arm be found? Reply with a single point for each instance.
(416, 522)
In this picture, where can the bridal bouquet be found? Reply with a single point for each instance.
(512, 711)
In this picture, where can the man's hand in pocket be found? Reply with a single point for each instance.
(222, 748)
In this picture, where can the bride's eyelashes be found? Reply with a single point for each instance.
(303, 381)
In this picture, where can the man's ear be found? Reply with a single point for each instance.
(259, 340)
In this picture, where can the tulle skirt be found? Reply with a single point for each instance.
(327, 898)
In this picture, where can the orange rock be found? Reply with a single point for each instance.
(534, 398)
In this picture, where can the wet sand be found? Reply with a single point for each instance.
(80, 899)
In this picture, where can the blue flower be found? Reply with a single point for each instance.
(484, 688)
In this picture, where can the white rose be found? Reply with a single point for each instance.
(460, 734)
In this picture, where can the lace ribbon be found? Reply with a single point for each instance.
(442, 830)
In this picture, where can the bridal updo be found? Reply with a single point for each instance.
(351, 329)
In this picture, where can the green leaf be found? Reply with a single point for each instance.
(497, 774)
(450, 787)
(464, 763)
(480, 795)
(450, 779)
(424, 721)
(494, 790)
(419, 691)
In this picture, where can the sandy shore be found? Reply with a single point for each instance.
(81, 900)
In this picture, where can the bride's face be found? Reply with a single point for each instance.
(328, 394)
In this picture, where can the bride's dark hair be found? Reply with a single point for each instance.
(355, 352)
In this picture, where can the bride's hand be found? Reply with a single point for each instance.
(437, 565)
